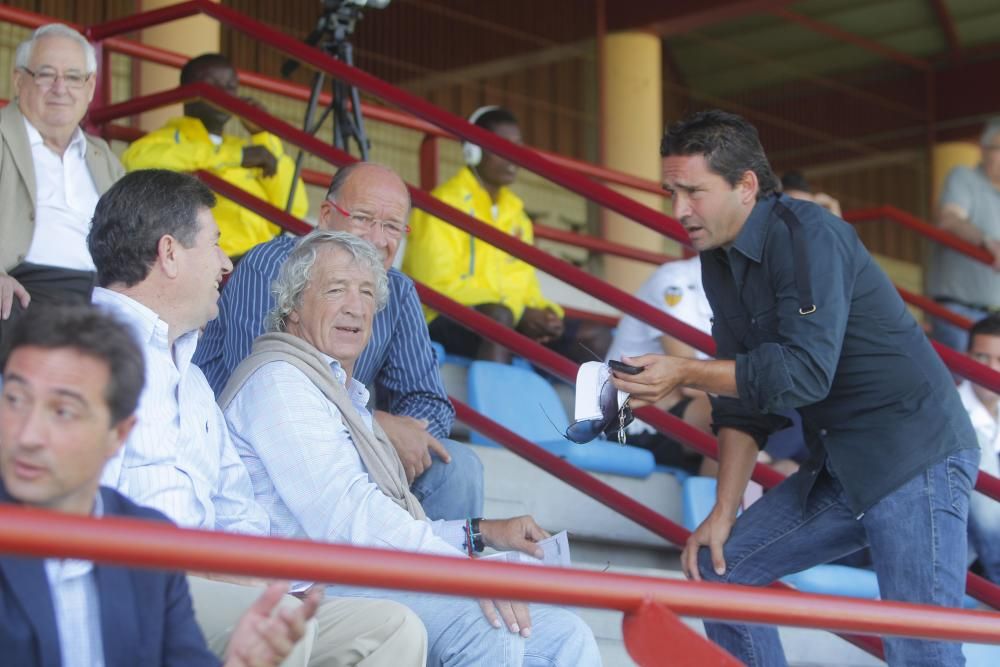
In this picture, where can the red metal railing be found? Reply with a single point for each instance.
(534, 256)
(433, 132)
(131, 542)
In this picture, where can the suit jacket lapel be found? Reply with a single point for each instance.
(97, 164)
(17, 138)
(119, 607)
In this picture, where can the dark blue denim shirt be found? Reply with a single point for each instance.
(878, 405)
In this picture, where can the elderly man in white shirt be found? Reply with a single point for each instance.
(983, 407)
(51, 175)
(325, 471)
(159, 267)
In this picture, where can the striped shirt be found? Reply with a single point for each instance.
(179, 458)
(398, 360)
(77, 606)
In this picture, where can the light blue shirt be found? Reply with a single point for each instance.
(307, 473)
(77, 606)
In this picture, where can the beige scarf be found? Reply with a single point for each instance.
(377, 453)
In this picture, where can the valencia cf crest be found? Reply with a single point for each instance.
(673, 295)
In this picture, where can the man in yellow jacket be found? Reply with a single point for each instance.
(196, 141)
(477, 274)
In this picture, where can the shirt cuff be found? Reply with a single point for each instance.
(452, 532)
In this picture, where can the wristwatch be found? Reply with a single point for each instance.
(475, 536)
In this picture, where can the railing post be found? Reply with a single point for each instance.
(102, 94)
(656, 636)
(429, 162)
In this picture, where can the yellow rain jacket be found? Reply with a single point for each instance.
(467, 269)
(183, 144)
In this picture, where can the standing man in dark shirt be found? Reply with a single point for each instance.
(805, 320)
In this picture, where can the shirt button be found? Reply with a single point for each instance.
(822, 432)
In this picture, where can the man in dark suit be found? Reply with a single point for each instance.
(70, 387)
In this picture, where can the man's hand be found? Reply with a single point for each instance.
(412, 442)
(712, 533)
(258, 156)
(541, 324)
(520, 533)
(993, 246)
(661, 374)
(10, 289)
(263, 640)
(515, 615)
(252, 127)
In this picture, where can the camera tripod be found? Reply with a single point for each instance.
(331, 34)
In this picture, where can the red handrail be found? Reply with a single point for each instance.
(969, 368)
(520, 155)
(926, 229)
(401, 119)
(137, 543)
(421, 199)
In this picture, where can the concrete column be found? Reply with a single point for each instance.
(948, 155)
(632, 124)
(191, 36)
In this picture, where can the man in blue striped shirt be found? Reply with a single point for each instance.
(372, 202)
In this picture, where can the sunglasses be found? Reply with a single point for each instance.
(612, 421)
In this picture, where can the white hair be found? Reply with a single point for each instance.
(294, 276)
(25, 48)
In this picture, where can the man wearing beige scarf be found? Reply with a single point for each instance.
(324, 470)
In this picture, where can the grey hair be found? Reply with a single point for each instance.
(990, 131)
(294, 276)
(25, 48)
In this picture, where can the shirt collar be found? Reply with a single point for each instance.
(147, 325)
(78, 142)
(978, 414)
(750, 240)
(357, 392)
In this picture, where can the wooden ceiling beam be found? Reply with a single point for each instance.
(842, 35)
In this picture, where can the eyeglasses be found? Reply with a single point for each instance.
(364, 221)
(46, 78)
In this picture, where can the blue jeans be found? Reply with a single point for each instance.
(984, 534)
(459, 635)
(451, 490)
(953, 336)
(917, 536)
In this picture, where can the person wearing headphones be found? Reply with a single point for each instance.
(477, 274)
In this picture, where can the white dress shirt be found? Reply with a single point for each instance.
(307, 473)
(65, 200)
(77, 606)
(987, 429)
(179, 458)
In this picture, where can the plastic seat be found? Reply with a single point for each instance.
(438, 352)
(520, 399)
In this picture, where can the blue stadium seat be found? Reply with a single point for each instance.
(525, 402)
(438, 352)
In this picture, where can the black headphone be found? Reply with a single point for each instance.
(472, 153)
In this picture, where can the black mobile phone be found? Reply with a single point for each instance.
(625, 368)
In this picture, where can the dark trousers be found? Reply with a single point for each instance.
(46, 285)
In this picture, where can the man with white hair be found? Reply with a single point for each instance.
(969, 207)
(323, 468)
(51, 175)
